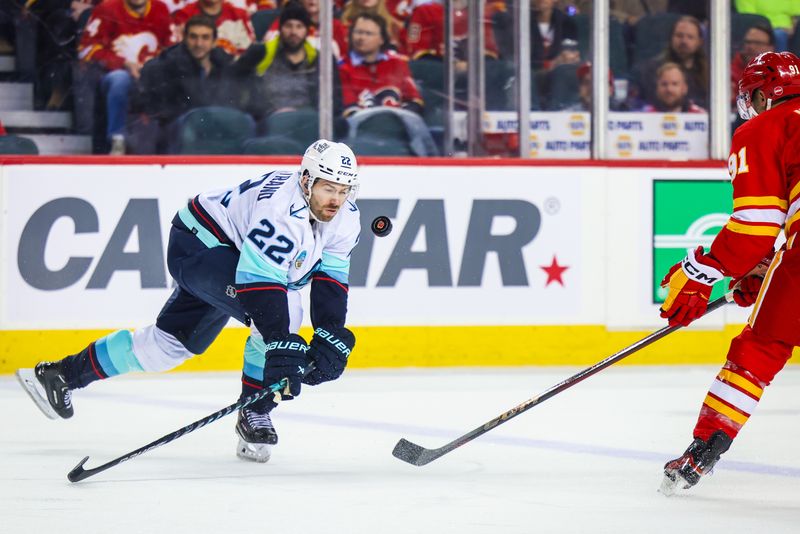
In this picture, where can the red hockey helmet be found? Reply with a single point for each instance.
(777, 74)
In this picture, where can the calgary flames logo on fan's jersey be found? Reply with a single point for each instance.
(233, 36)
(386, 96)
(137, 47)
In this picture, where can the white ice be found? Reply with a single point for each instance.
(587, 460)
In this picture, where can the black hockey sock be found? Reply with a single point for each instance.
(251, 387)
(82, 369)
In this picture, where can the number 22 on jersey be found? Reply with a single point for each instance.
(273, 252)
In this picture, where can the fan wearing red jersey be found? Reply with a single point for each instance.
(425, 33)
(372, 75)
(766, 197)
(119, 37)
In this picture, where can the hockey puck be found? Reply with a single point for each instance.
(381, 226)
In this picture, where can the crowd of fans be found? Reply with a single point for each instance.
(130, 70)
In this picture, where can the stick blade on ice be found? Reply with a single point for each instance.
(412, 453)
(78, 473)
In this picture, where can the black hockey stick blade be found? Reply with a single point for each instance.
(412, 453)
(417, 455)
(78, 473)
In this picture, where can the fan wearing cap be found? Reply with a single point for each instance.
(284, 69)
(765, 155)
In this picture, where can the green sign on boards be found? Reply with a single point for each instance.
(686, 213)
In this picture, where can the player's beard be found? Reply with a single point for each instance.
(323, 214)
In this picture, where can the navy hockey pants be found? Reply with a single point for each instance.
(205, 298)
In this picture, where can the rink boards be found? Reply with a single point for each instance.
(489, 263)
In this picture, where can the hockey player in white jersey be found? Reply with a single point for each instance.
(243, 253)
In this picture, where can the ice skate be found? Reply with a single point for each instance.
(47, 387)
(698, 460)
(257, 435)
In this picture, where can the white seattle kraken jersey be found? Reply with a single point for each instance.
(268, 220)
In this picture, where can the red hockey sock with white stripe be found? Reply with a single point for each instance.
(730, 401)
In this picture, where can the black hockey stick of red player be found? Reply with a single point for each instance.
(78, 473)
(417, 455)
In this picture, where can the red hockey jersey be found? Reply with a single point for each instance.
(765, 156)
(115, 34)
(251, 6)
(234, 31)
(425, 33)
(400, 9)
(387, 82)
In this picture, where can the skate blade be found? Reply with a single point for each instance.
(255, 452)
(671, 484)
(28, 381)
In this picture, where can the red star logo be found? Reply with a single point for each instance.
(554, 272)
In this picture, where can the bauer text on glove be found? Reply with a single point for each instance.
(286, 358)
(330, 350)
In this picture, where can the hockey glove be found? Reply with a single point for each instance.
(690, 282)
(745, 290)
(286, 358)
(330, 349)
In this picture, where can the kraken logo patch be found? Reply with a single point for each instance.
(298, 261)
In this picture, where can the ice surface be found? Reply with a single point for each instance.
(587, 460)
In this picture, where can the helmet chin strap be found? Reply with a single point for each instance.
(306, 189)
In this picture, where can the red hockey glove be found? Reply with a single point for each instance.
(689, 282)
(746, 288)
(746, 292)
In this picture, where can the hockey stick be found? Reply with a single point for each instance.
(417, 455)
(78, 473)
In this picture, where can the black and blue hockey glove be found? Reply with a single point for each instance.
(286, 358)
(330, 350)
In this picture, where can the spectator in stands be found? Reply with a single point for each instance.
(189, 75)
(44, 33)
(235, 32)
(339, 43)
(424, 37)
(119, 37)
(377, 7)
(63, 23)
(757, 40)
(585, 90)
(251, 6)
(286, 68)
(549, 27)
(781, 15)
(684, 48)
(371, 74)
(3, 129)
(584, 102)
(672, 92)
